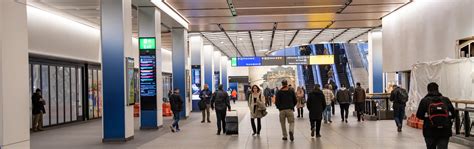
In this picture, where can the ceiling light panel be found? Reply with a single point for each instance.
(282, 38)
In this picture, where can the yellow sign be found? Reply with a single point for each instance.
(321, 60)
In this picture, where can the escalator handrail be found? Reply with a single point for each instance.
(348, 69)
(316, 67)
(334, 69)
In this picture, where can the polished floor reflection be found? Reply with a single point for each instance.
(369, 134)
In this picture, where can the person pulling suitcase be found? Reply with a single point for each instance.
(220, 102)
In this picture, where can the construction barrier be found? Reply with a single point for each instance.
(167, 109)
(136, 110)
(414, 122)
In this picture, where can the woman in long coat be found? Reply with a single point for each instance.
(256, 106)
(316, 104)
(300, 101)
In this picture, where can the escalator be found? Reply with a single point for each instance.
(307, 70)
(341, 63)
(323, 69)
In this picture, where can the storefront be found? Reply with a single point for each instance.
(63, 88)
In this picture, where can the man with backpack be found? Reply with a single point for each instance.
(437, 113)
(399, 97)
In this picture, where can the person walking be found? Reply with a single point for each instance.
(234, 95)
(359, 101)
(333, 87)
(329, 98)
(343, 96)
(205, 96)
(268, 96)
(257, 109)
(285, 102)
(176, 103)
(316, 105)
(399, 97)
(437, 112)
(220, 102)
(300, 98)
(38, 110)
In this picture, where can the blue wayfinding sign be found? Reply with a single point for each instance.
(249, 61)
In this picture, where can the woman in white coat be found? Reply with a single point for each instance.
(257, 108)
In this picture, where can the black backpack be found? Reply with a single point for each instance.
(403, 95)
(438, 114)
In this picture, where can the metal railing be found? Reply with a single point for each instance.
(463, 119)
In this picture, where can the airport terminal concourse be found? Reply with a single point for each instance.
(236, 74)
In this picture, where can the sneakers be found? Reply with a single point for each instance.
(330, 121)
(208, 121)
(284, 138)
(346, 121)
(202, 121)
(172, 129)
(399, 129)
(318, 136)
(312, 132)
(292, 138)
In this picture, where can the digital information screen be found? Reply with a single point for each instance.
(273, 60)
(297, 60)
(148, 84)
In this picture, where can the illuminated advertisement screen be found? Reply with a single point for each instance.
(196, 79)
(297, 60)
(273, 60)
(130, 81)
(148, 84)
(321, 60)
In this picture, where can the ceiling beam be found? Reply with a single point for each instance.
(339, 34)
(253, 46)
(345, 6)
(329, 25)
(363, 33)
(228, 37)
(396, 9)
(294, 36)
(215, 45)
(273, 35)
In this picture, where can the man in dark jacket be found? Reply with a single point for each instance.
(176, 103)
(285, 102)
(316, 104)
(435, 137)
(359, 101)
(268, 96)
(398, 105)
(343, 96)
(205, 96)
(220, 102)
(38, 110)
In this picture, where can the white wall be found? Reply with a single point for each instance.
(425, 30)
(50, 34)
(237, 71)
(167, 62)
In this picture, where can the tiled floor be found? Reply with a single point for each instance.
(369, 134)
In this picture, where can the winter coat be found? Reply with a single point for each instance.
(254, 105)
(300, 99)
(285, 99)
(316, 104)
(220, 100)
(205, 96)
(37, 104)
(267, 92)
(359, 95)
(422, 112)
(343, 96)
(176, 102)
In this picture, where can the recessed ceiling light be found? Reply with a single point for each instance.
(240, 38)
(261, 38)
(263, 50)
(222, 42)
(360, 40)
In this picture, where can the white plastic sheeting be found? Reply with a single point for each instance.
(455, 78)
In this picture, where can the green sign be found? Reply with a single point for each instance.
(234, 62)
(147, 43)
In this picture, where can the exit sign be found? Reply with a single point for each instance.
(147, 43)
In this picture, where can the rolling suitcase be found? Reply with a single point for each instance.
(232, 123)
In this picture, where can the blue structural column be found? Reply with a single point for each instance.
(224, 77)
(149, 25)
(207, 66)
(181, 73)
(116, 44)
(195, 47)
(217, 69)
(14, 97)
(375, 62)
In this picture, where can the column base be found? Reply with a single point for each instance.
(149, 127)
(18, 145)
(120, 140)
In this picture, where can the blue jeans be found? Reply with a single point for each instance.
(327, 113)
(398, 115)
(176, 119)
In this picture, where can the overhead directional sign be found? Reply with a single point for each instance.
(282, 60)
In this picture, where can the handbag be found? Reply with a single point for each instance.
(262, 108)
